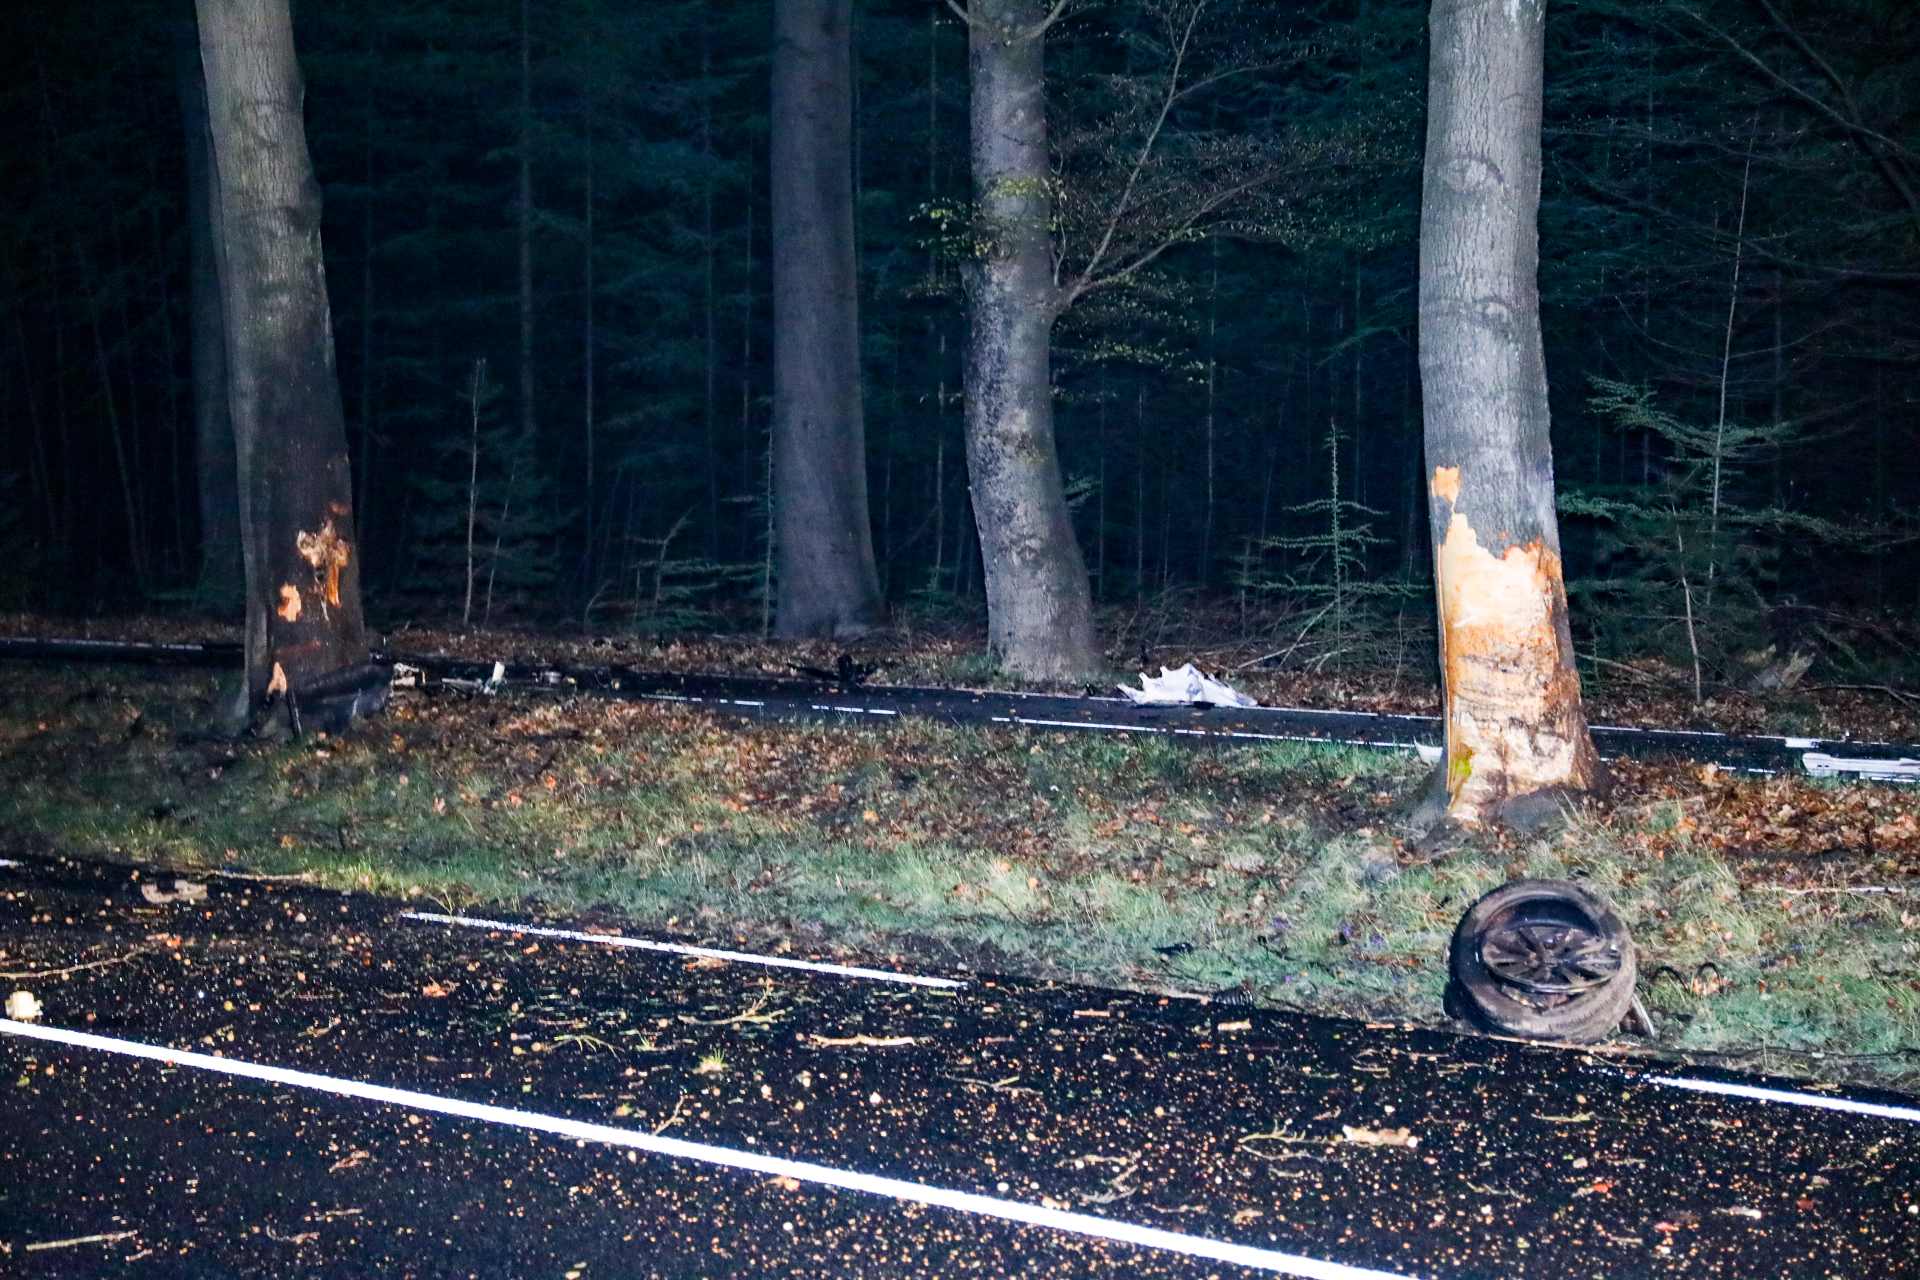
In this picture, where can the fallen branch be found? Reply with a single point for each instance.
(78, 968)
(871, 1042)
(674, 1118)
(1844, 888)
(1903, 698)
(105, 1237)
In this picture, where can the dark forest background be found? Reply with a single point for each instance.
(1730, 243)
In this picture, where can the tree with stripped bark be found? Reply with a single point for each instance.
(306, 645)
(1517, 740)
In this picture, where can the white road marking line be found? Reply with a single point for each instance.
(1789, 1097)
(753, 1162)
(647, 944)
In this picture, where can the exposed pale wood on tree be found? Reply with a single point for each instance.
(304, 634)
(1515, 727)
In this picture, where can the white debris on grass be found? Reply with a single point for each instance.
(1186, 684)
(23, 1006)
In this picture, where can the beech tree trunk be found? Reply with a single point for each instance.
(827, 582)
(305, 641)
(1039, 604)
(1517, 737)
(222, 581)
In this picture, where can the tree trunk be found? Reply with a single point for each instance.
(523, 224)
(1039, 606)
(1516, 735)
(305, 641)
(828, 585)
(222, 583)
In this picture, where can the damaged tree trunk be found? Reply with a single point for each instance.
(1039, 603)
(221, 586)
(305, 642)
(828, 585)
(1517, 739)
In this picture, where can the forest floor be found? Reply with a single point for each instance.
(1778, 918)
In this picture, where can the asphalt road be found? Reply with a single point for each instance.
(582, 1110)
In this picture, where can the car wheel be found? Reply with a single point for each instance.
(1543, 959)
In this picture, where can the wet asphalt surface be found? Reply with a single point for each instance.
(1272, 1130)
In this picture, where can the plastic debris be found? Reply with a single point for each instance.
(1821, 765)
(182, 891)
(1187, 684)
(23, 1006)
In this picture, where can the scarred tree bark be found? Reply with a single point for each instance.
(305, 641)
(1039, 604)
(828, 585)
(222, 582)
(1517, 737)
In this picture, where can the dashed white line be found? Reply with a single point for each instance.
(774, 1166)
(679, 949)
(1789, 1097)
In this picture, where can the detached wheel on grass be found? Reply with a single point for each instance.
(1543, 959)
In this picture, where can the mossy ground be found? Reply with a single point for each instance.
(1115, 859)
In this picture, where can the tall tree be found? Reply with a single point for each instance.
(828, 585)
(1039, 604)
(1516, 734)
(222, 582)
(305, 640)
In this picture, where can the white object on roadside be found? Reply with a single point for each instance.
(23, 1006)
(406, 676)
(183, 891)
(1821, 765)
(1187, 684)
(498, 678)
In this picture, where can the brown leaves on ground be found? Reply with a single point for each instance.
(1774, 826)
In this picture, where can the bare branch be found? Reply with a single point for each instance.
(1885, 152)
(1031, 33)
(1121, 205)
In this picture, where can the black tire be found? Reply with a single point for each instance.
(1543, 959)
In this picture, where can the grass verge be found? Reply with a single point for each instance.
(1125, 860)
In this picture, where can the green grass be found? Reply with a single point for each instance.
(1270, 868)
